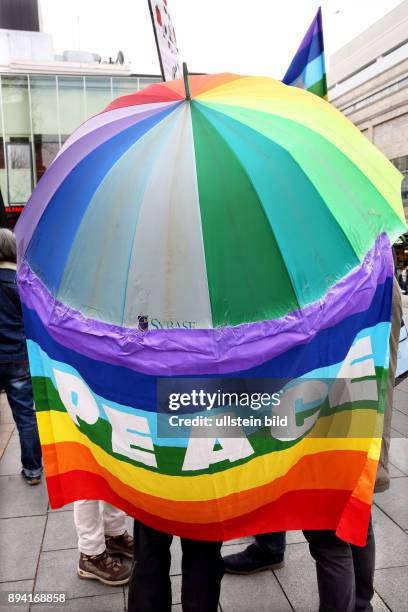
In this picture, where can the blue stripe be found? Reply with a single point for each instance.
(130, 388)
(313, 73)
(96, 273)
(303, 57)
(65, 210)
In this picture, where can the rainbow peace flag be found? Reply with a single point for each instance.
(243, 233)
(308, 70)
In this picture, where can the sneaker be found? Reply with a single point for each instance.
(31, 480)
(252, 560)
(120, 545)
(103, 567)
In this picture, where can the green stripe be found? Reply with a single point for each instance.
(170, 459)
(315, 249)
(319, 88)
(247, 277)
(359, 208)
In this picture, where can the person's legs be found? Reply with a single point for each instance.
(202, 570)
(16, 381)
(94, 560)
(150, 586)
(113, 520)
(364, 566)
(88, 520)
(117, 539)
(335, 571)
(273, 543)
(267, 552)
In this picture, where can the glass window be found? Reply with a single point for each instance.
(98, 94)
(44, 106)
(15, 105)
(19, 169)
(402, 164)
(3, 176)
(146, 81)
(123, 86)
(71, 103)
(46, 147)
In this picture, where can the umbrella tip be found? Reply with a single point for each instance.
(186, 81)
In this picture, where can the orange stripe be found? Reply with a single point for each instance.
(317, 471)
(200, 83)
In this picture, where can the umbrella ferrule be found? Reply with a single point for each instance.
(186, 81)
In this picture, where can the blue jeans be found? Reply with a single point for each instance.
(273, 543)
(16, 382)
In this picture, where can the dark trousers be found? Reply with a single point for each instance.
(273, 543)
(345, 573)
(15, 380)
(150, 586)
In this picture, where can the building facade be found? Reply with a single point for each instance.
(368, 82)
(43, 99)
(37, 114)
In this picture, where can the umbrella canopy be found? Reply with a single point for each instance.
(244, 232)
(244, 204)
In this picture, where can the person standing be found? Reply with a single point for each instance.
(150, 587)
(345, 572)
(404, 280)
(14, 371)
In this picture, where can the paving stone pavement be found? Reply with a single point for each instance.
(38, 545)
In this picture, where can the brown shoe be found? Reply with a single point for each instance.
(120, 545)
(103, 567)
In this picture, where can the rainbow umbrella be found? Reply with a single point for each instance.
(245, 231)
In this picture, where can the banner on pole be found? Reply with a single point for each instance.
(166, 43)
(308, 70)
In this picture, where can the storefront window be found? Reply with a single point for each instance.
(71, 103)
(146, 81)
(3, 175)
(46, 147)
(17, 185)
(39, 113)
(19, 168)
(123, 86)
(402, 164)
(16, 108)
(98, 94)
(44, 104)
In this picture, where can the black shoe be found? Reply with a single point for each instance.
(31, 480)
(252, 560)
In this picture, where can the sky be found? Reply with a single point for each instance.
(256, 37)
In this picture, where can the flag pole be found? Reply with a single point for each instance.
(155, 38)
(186, 81)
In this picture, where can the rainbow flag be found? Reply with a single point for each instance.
(307, 69)
(99, 443)
(243, 233)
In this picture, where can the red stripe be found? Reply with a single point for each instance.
(354, 521)
(153, 93)
(317, 509)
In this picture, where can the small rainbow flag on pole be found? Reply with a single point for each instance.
(307, 69)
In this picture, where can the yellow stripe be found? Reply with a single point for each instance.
(58, 427)
(269, 96)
